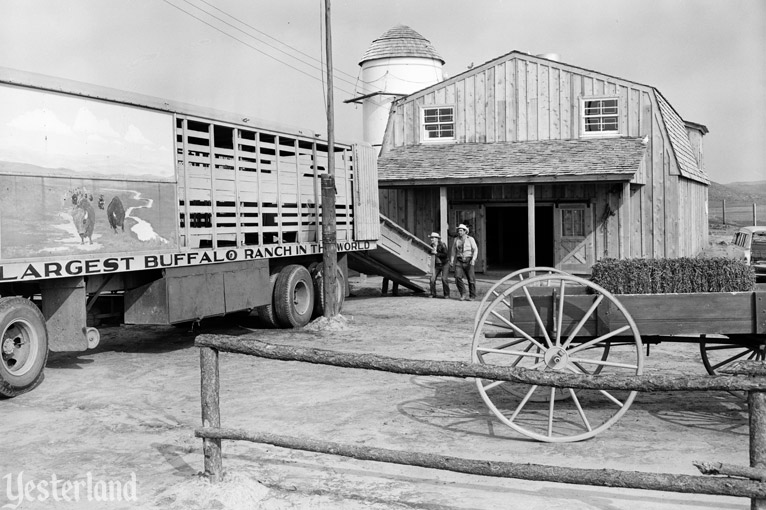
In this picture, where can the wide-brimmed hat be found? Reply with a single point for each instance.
(435, 234)
(463, 227)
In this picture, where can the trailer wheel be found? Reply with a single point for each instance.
(340, 285)
(294, 296)
(266, 312)
(558, 329)
(23, 346)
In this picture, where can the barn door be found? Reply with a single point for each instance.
(573, 237)
(473, 217)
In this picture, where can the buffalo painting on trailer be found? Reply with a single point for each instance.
(80, 176)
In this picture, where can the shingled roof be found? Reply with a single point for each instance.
(535, 161)
(679, 140)
(400, 41)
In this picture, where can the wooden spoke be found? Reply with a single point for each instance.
(599, 339)
(560, 318)
(537, 317)
(580, 410)
(582, 322)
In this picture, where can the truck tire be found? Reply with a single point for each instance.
(319, 290)
(266, 312)
(23, 346)
(294, 296)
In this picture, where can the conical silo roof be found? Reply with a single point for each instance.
(400, 41)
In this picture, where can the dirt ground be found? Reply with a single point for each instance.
(129, 407)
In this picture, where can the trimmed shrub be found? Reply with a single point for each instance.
(673, 276)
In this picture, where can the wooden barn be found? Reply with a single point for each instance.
(549, 164)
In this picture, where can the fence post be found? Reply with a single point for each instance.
(755, 215)
(723, 208)
(211, 411)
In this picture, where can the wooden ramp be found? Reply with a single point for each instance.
(399, 254)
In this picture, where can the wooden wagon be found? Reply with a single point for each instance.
(545, 319)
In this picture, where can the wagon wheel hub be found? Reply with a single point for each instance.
(556, 358)
(8, 345)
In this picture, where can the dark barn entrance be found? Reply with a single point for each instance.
(507, 239)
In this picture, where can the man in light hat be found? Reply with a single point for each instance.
(440, 266)
(463, 259)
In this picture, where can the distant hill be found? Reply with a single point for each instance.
(735, 192)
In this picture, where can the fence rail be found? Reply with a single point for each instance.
(754, 382)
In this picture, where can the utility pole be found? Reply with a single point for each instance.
(329, 235)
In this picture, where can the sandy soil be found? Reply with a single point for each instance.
(130, 406)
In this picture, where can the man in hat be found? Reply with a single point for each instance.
(463, 259)
(440, 267)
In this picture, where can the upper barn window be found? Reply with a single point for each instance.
(601, 116)
(438, 123)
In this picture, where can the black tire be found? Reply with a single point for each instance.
(319, 290)
(294, 296)
(267, 312)
(23, 346)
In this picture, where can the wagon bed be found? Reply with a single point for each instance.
(544, 319)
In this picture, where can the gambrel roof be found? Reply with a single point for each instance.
(615, 159)
(679, 140)
(672, 125)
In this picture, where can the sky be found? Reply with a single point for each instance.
(707, 57)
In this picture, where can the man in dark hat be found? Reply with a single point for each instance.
(440, 267)
(463, 259)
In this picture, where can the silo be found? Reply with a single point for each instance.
(397, 63)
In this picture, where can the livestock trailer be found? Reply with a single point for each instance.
(115, 206)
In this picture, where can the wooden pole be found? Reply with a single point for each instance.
(522, 471)
(755, 215)
(531, 224)
(329, 235)
(211, 411)
(757, 403)
(723, 208)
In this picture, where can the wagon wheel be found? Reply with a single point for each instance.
(507, 281)
(563, 331)
(718, 353)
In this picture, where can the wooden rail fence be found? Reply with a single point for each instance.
(740, 481)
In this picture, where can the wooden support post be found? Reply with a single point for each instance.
(329, 246)
(211, 411)
(723, 208)
(443, 215)
(757, 404)
(531, 224)
(755, 215)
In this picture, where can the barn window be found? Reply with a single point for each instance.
(438, 123)
(601, 115)
(573, 223)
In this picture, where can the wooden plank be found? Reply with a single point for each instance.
(674, 210)
(490, 106)
(480, 91)
(576, 98)
(544, 103)
(521, 101)
(460, 107)
(511, 101)
(532, 100)
(567, 106)
(658, 190)
(555, 103)
(501, 108)
(470, 109)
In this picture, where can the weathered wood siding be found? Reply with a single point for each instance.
(518, 98)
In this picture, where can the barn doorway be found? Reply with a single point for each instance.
(507, 240)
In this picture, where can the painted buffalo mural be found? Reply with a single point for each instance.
(115, 213)
(84, 220)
